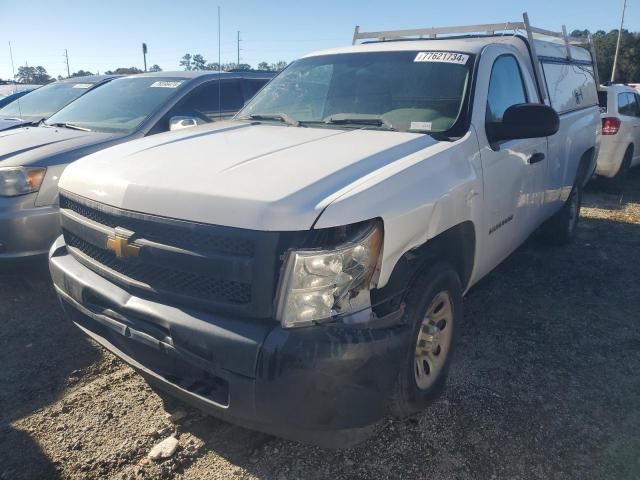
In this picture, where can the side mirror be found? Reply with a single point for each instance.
(180, 122)
(525, 120)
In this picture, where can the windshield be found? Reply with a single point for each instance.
(118, 107)
(405, 91)
(44, 101)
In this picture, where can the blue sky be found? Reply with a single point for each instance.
(107, 34)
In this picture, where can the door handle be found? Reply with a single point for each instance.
(536, 157)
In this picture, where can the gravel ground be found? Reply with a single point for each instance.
(545, 384)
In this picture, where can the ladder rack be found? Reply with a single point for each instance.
(488, 29)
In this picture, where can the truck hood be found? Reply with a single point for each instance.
(256, 176)
(46, 146)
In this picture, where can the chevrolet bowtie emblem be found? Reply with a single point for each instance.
(121, 247)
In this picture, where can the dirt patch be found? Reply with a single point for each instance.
(545, 384)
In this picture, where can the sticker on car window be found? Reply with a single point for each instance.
(424, 126)
(442, 57)
(82, 85)
(165, 84)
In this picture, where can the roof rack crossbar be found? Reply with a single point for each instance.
(489, 29)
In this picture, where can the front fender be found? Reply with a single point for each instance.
(417, 197)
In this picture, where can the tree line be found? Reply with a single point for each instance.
(198, 62)
(628, 69)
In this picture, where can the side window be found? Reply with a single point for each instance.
(252, 86)
(506, 88)
(201, 102)
(231, 99)
(625, 105)
(637, 99)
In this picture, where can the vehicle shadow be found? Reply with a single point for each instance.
(39, 351)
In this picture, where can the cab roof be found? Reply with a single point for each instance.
(466, 44)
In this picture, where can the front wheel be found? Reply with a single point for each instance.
(434, 311)
(561, 228)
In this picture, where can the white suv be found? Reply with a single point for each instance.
(620, 144)
(300, 269)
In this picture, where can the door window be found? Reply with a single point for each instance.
(253, 85)
(506, 88)
(203, 102)
(232, 99)
(636, 99)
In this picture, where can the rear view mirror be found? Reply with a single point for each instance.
(525, 120)
(180, 122)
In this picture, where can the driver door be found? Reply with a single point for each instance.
(513, 170)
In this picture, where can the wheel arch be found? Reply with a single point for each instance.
(457, 245)
(586, 166)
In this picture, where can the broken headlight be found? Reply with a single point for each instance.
(319, 284)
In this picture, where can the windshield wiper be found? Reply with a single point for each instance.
(281, 117)
(348, 119)
(72, 126)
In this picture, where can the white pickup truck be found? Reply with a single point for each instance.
(300, 269)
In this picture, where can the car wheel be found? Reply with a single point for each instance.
(616, 184)
(433, 309)
(561, 228)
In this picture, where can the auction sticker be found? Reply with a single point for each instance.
(442, 57)
(165, 84)
(425, 126)
(82, 85)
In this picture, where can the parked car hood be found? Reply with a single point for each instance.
(47, 146)
(257, 176)
(9, 123)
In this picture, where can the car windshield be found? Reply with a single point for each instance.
(401, 90)
(118, 107)
(44, 101)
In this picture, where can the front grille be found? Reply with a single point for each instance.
(181, 236)
(203, 266)
(165, 279)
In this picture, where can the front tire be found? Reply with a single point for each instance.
(434, 312)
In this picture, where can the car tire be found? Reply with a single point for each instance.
(433, 309)
(561, 228)
(616, 184)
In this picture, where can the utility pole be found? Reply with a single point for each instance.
(144, 55)
(13, 69)
(615, 57)
(238, 63)
(219, 68)
(66, 55)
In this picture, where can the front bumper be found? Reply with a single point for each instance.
(327, 384)
(25, 230)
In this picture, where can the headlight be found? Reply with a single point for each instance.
(20, 180)
(319, 284)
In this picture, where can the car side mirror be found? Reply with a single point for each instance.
(525, 120)
(180, 122)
